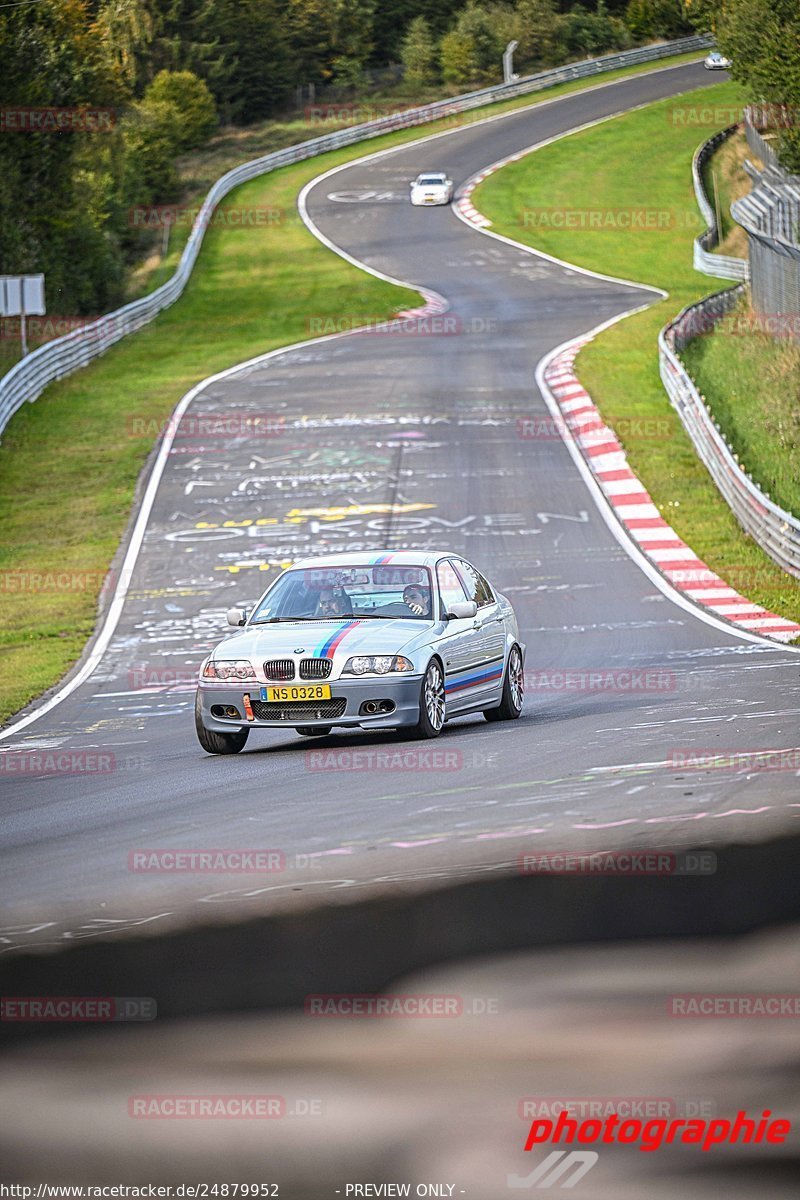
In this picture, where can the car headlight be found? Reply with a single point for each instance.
(376, 664)
(231, 668)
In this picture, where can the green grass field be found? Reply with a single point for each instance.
(640, 163)
(69, 463)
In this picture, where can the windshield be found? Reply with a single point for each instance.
(328, 593)
(431, 179)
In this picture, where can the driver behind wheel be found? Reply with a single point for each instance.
(333, 602)
(417, 597)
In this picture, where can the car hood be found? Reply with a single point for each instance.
(336, 639)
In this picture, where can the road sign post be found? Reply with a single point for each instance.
(22, 296)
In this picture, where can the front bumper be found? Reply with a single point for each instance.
(403, 692)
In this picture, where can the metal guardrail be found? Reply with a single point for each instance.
(759, 145)
(28, 378)
(720, 265)
(774, 529)
(770, 214)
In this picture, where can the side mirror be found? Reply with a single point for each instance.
(462, 610)
(238, 616)
(448, 182)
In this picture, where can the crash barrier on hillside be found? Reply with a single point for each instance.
(775, 530)
(721, 265)
(29, 377)
(770, 215)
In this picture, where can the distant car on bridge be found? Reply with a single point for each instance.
(432, 187)
(367, 640)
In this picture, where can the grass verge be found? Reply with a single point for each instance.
(69, 463)
(581, 175)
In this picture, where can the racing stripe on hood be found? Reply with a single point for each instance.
(329, 647)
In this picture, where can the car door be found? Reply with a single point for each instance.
(457, 643)
(489, 631)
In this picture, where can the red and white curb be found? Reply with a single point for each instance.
(635, 510)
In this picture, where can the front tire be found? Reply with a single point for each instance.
(513, 690)
(431, 703)
(217, 743)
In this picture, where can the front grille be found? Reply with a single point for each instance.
(315, 668)
(279, 668)
(298, 710)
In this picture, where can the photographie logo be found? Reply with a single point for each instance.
(651, 1135)
(52, 119)
(82, 1009)
(619, 862)
(565, 1167)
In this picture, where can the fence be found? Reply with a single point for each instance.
(770, 214)
(776, 531)
(29, 377)
(720, 265)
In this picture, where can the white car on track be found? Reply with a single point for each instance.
(431, 187)
(716, 61)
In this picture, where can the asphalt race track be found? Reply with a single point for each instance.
(416, 437)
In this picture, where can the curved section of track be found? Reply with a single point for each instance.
(409, 435)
